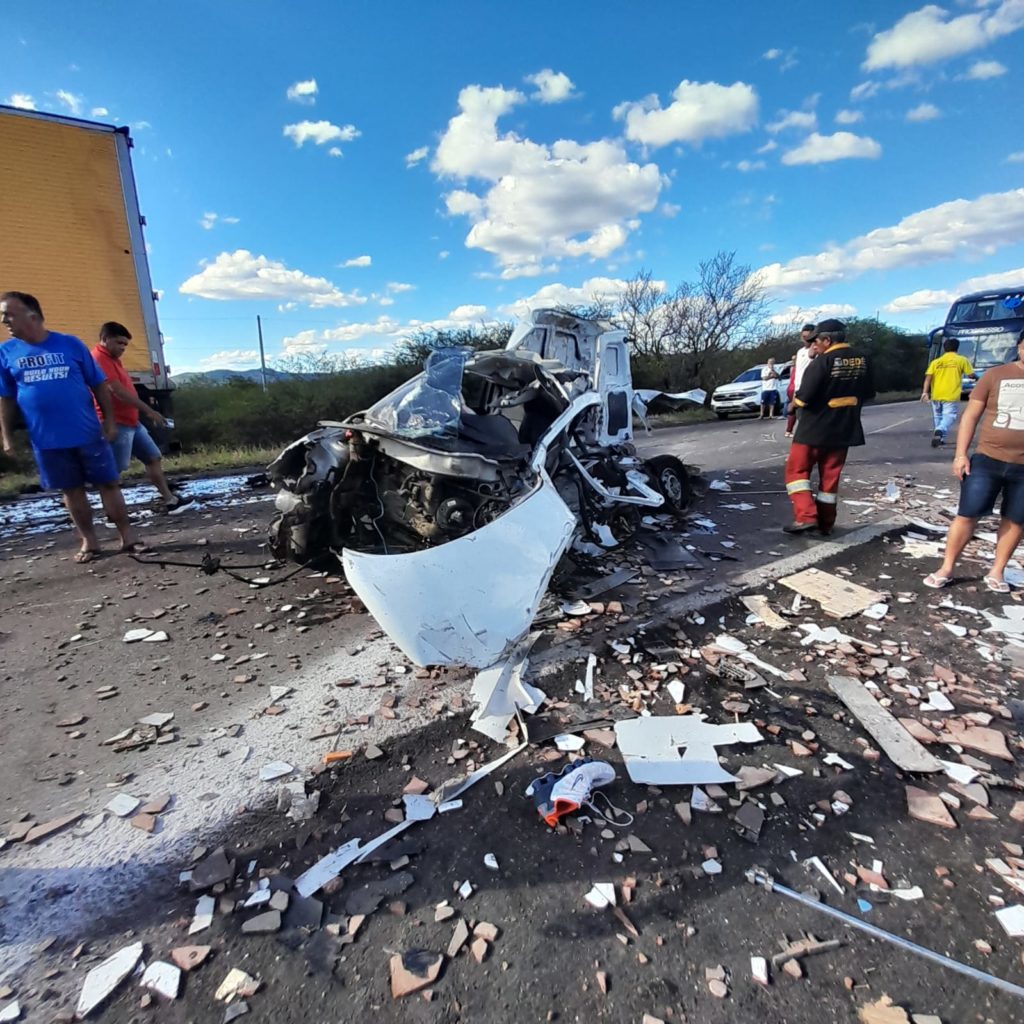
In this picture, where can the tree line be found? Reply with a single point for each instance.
(700, 333)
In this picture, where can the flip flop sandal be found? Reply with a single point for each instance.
(86, 555)
(996, 586)
(136, 548)
(936, 582)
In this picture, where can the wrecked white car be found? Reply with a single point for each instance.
(452, 499)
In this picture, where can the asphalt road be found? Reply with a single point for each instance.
(61, 628)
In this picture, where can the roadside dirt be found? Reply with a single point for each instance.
(550, 944)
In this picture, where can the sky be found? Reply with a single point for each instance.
(351, 172)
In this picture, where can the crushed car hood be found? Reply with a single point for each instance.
(466, 601)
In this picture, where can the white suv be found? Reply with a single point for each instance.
(743, 395)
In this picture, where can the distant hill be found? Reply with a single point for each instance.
(224, 376)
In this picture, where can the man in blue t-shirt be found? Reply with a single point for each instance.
(52, 378)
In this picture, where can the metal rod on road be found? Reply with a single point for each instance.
(880, 933)
(263, 358)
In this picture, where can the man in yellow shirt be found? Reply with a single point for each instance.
(943, 383)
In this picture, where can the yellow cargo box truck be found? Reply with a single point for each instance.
(73, 235)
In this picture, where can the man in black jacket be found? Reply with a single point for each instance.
(831, 396)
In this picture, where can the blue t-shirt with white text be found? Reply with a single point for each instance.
(52, 383)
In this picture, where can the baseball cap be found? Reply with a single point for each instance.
(830, 327)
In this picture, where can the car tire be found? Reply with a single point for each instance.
(722, 415)
(672, 481)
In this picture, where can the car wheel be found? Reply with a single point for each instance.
(671, 480)
(722, 415)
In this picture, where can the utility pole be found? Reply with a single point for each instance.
(263, 358)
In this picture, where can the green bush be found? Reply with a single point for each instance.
(241, 413)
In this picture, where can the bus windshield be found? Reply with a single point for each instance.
(993, 350)
(987, 310)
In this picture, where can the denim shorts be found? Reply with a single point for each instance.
(64, 469)
(770, 397)
(987, 480)
(134, 441)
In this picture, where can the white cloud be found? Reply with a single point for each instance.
(670, 210)
(385, 300)
(208, 220)
(805, 120)
(70, 100)
(818, 149)
(982, 69)
(385, 329)
(467, 313)
(303, 92)
(397, 287)
(552, 86)
(930, 34)
(99, 112)
(21, 100)
(443, 254)
(924, 112)
(590, 292)
(961, 228)
(241, 275)
(773, 54)
(699, 110)
(932, 299)
(358, 261)
(334, 151)
(768, 146)
(750, 165)
(538, 202)
(231, 359)
(915, 302)
(798, 315)
(320, 132)
(1016, 158)
(864, 91)
(849, 116)
(416, 156)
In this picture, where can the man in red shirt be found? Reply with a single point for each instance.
(132, 437)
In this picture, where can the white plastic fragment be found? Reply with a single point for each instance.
(835, 759)
(102, 980)
(759, 969)
(490, 862)
(1012, 920)
(466, 889)
(677, 691)
(203, 917)
(962, 773)
(711, 867)
(913, 893)
(162, 978)
(275, 770)
(650, 748)
(135, 635)
(601, 895)
(11, 1012)
(819, 865)
(123, 805)
(937, 701)
(449, 805)
(569, 743)
(574, 608)
(155, 638)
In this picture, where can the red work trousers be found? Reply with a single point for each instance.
(806, 507)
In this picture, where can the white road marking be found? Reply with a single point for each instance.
(898, 423)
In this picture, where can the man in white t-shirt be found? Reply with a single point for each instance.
(800, 363)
